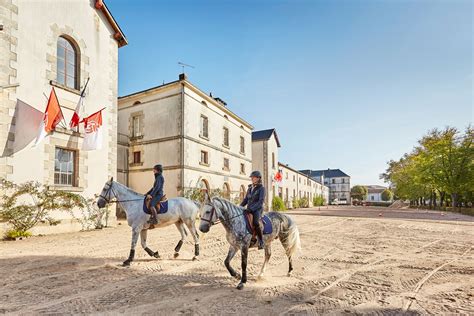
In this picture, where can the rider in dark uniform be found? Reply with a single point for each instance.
(156, 193)
(254, 200)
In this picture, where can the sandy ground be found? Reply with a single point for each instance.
(347, 265)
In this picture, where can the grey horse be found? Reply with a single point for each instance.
(181, 212)
(232, 218)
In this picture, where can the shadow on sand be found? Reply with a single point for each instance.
(72, 285)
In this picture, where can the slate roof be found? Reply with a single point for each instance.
(265, 135)
(327, 173)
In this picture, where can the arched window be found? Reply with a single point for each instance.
(242, 192)
(67, 63)
(226, 191)
(205, 186)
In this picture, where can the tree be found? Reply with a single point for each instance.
(442, 165)
(387, 195)
(359, 192)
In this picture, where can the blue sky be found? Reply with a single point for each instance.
(347, 84)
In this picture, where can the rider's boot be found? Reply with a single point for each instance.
(154, 216)
(261, 245)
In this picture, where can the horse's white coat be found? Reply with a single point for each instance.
(181, 211)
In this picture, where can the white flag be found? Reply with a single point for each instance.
(93, 132)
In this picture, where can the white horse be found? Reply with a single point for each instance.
(181, 211)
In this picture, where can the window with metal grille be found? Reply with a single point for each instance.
(64, 165)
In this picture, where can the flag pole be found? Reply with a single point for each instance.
(81, 96)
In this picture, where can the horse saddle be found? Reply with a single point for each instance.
(161, 206)
(265, 223)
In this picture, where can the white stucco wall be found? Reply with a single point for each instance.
(39, 24)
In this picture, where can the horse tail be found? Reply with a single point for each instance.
(289, 235)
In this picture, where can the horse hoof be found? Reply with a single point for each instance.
(195, 258)
(240, 286)
(289, 274)
(176, 255)
(126, 263)
(156, 255)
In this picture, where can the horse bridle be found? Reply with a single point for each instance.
(108, 199)
(214, 212)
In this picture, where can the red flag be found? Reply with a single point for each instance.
(75, 117)
(52, 116)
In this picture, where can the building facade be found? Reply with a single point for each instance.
(199, 141)
(374, 193)
(294, 184)
(41, 48)
(339, 183)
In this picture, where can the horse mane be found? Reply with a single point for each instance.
(127, 188)
(231, 207)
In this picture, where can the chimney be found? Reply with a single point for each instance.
(221, 101)
(183, 76)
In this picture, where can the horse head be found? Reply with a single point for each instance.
(107, 194)
(209, 214)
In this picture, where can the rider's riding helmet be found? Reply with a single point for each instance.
(256, 174)
(158, 168)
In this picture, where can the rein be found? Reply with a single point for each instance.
(111, 190)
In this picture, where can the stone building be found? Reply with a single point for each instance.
(41, 48)
(294, 184)
(339, 183)
(200, 142)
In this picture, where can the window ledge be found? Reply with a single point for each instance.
(136, 164)
(136, 138)
(58, 187)
(68, 132)
(226, 169)
(226, 146)
(242, 172)
(242, 153)
(203, 137)
(61, 86)
(204, 164)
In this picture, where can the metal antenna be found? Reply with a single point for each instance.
(184, 65)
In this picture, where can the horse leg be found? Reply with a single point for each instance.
(195, 235)
(245, 252)
(131, 256)
(182, 231)
(230, 255)
(151, 253)
(268, 253)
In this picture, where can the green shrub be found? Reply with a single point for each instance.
(25, 205)
(304, 202)
(387, 195)
(277, 204)
(12, 234)
(295, 203)
(318, 200)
